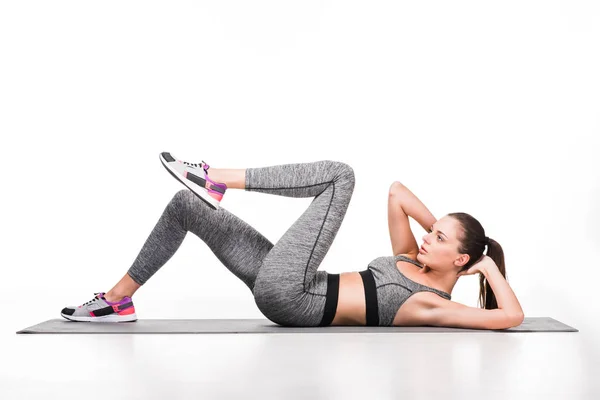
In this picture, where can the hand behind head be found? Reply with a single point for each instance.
(483, 262)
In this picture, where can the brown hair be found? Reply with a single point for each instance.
(472, 242)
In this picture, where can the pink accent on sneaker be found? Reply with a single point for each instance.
(215, 195)
(209, 186)
(224, 186)
(124, 300)
(127, 311)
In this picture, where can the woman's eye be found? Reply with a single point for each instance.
(440, 237)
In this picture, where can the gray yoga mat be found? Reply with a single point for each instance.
(263, 325)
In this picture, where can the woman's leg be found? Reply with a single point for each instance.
(288, 289)
(236, 244)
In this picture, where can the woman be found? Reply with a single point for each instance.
(411, 288)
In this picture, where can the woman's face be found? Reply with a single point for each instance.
(441, 245)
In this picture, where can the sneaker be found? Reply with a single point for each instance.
(101, 310)
(195, 177)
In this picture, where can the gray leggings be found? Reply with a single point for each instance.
(283, 278)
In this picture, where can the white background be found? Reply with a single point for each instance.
(489, 108)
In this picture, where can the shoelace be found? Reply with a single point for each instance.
(91, 301)
(202, 164)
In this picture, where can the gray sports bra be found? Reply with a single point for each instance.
(394, 288)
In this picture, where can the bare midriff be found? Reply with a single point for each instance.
(351, 307)
(352, 310)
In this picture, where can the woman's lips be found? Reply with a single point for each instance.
(422, 250)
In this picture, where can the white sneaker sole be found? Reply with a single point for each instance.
(106, 318)
(198, 190)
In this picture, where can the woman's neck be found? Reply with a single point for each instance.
(437, 280)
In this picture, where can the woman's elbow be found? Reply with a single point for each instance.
(518, 320)
(395, 187)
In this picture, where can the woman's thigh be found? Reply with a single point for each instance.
(288, 289)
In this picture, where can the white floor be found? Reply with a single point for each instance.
(299, 366)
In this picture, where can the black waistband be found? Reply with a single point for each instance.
(370, 297)
(331, 298)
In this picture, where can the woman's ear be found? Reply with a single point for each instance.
(462, 260)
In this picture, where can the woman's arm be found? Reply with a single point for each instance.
(402, 204)
(413, 207)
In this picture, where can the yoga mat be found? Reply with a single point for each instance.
(263, 325)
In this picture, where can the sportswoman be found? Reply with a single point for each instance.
(412, 287)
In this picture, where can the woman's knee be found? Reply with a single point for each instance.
(342, 170)
(185, 200)
(181, 200)
(345, 176)
(179, 206)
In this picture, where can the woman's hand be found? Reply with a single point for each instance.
(480, 266)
